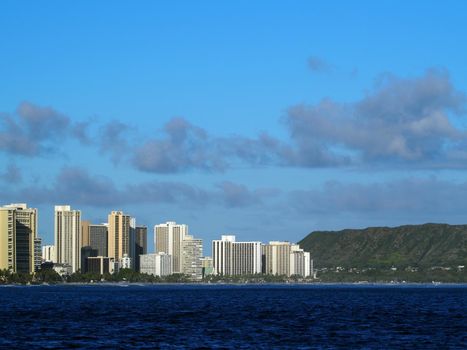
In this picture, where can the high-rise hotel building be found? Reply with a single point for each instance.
(276, 258)
(236, 258)
(94, 236)
(85, 233)
(67, 228)
(26, 234)
(98, 238)
(25, 237)
(192, 252)
(284, 258)
(8, 239)
(156, 264)
(141, 244)
(168, 238)
(118, 235)
(301, 263)
(48, 254)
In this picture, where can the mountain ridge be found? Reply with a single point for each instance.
(425, 245)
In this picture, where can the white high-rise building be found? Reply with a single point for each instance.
(125, 262)
(222, 255)
(67, 227)
(168, 238)
(158, 264)
(132, 242)
(37, 253)
(300, 262)
(48, 253)
(192, 251)
(236, 258)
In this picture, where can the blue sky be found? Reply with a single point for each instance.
(266, 120)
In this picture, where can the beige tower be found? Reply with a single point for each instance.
(276, 258)
(168, 239)
(85, 240)
(25, 236)
(118, 235)
(68, 236)
(7, 239)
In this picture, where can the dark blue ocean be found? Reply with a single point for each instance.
(186, 316)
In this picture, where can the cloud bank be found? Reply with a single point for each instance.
(34, 130)
(409, 122)
(76, 186)
(399, 121)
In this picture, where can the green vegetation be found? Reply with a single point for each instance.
(126, 275)
(43, 276)
(256, 278)
(130, 276)
(419, 246)
(412, 253)
(51, 277)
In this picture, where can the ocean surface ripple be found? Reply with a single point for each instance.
(233, 317)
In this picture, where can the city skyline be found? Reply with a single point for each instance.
(83, 247)
(263, 120)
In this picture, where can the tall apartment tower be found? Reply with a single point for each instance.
(67, 228)
(301, 263)
(141, 244)
(25, 236)
(118, 235)
(222, 255)
(132, 253)
(276, 258)
(284, 258)
(192, 251)
(48, 253)
(236, 258)
(156, 264)
(85, 233)
(98, 238)
(37, 253)
(7, 239)
(168, 239)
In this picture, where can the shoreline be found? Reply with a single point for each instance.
(268, 284)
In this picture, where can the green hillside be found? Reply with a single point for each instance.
(425, 245)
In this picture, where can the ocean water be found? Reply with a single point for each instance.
(237, 317)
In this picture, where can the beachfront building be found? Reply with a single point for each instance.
(100, 265)
(168, 238)
(192, 251)
(141, 244)
(48, 253)
(67, 227)
(236, 258)
(156, 264)
(301, 263)
(276, 258)
(206, 266)
(18, 236)
(118, 237)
